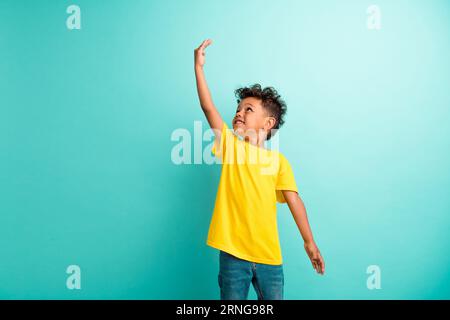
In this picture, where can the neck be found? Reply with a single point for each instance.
(258, 143)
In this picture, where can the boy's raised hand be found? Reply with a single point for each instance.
(315, 257)
(199, 53)
(212, 115)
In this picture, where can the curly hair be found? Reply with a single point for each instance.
(271, 101)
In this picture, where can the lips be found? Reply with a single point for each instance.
(238, 121)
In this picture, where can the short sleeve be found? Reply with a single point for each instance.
(220, 150)
(285, 179)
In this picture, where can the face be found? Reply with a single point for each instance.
(250, 118)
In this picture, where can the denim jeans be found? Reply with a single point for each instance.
(235, 276)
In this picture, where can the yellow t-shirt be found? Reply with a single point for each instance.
(244, 221)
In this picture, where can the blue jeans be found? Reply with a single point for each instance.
(235, 276)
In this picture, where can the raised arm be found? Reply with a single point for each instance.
(212, 115)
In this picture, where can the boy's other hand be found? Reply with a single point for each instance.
(199, 53)
(315, 257)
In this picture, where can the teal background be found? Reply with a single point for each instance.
(86, 117)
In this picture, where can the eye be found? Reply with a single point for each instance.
(248, 108)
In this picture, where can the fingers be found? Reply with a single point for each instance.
(313, 265)
(204, 44)
(320, 264)
(316, 265)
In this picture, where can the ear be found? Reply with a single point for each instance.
(269, 123)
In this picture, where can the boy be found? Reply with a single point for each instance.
(244, 225)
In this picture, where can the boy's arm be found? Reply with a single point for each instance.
(301, 219)
(212, 115)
